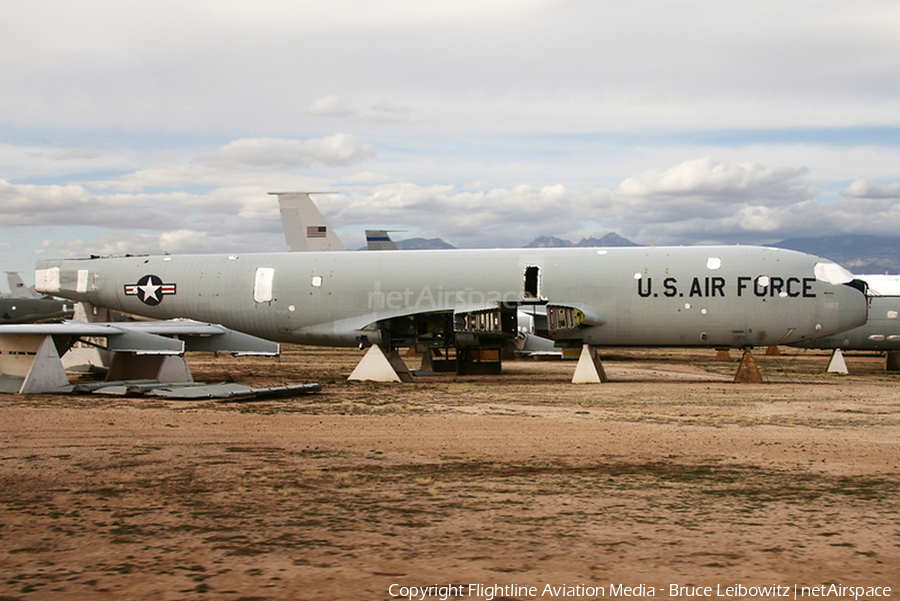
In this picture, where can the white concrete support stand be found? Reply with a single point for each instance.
(375, 366)
(837, 365)
(589, 369)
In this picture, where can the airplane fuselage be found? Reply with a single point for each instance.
(30, 310)
(881, 331)
(720, 296)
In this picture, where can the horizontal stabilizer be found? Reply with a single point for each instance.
(230, 341)
(173, 327)
(152, 337)
(143, 343)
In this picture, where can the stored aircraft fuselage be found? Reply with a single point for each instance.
(721, 296)
(881, 331)
(30, 310)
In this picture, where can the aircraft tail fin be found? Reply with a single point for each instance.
(379, 240)
(17, 287)
(305, 229)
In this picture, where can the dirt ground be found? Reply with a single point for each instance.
(668, 475)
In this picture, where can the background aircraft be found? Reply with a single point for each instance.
(24, 305)
(17, 287)
(31, 310)
(379, 240)
(881, 332)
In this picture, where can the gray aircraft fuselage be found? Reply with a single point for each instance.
(881, 331)
(30, 310)
(722, 296)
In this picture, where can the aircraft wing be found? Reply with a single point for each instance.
(30, 354)
(153, 337)
(882, 285)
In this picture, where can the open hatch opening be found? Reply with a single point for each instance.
(532, 282)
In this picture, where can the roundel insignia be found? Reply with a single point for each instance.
(150, 289)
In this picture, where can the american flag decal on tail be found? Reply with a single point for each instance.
(316, 231)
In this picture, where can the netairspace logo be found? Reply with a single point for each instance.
(438, 299)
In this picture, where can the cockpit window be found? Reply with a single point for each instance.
(832, 273)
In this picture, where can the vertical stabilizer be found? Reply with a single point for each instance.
(17, 287)
(379, 240)
(305, 229)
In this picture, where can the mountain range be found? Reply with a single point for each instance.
(422, 244)
(860, 254)
(610, 239)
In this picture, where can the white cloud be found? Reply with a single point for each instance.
(715, 182)
(276, 154)
(535, 65)
(706, 200)
(30, 205)
(387, 112)
(366, 177)
(249, 163)
(496, 217)
(329, 106)
(110, 243)
(863, 188)
(696, 200)
(384, 111)
(31, 160)
(192, 241)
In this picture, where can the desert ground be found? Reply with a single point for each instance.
(670, 474)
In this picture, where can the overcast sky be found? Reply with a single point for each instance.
(147, 127)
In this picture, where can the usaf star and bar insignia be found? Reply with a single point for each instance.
(150, 289)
